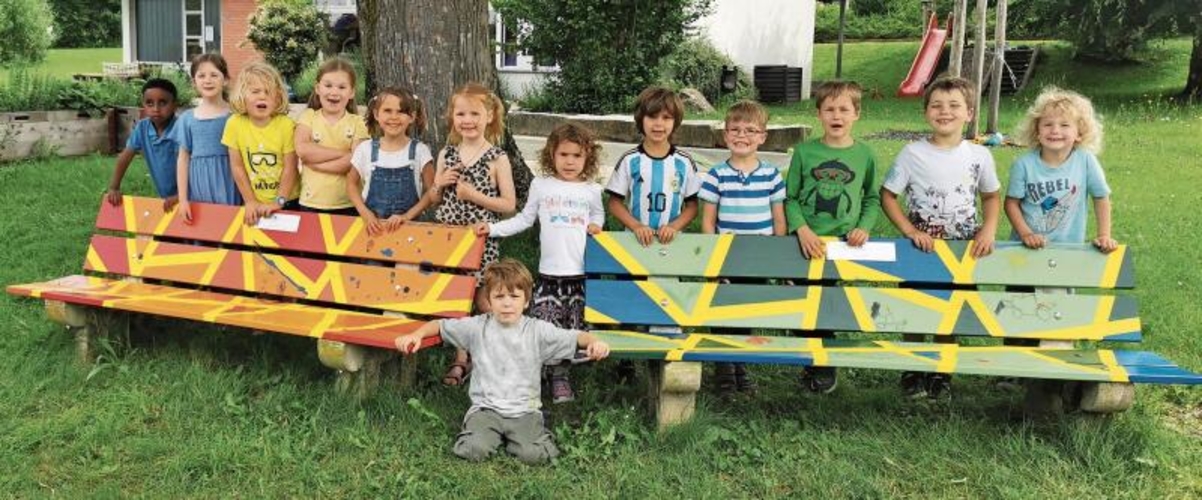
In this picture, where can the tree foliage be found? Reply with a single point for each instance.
(290, 33)
(87, 23)
(25, 30)
(606, 51)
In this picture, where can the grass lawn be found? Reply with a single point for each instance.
(64, 63)
(198, 411)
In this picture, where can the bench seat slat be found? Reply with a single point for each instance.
(747, 256)
(385, 288)
(414, 243)
(849, 309)
(1100, 365)
(282, 317)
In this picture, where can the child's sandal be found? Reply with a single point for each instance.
(457, 374)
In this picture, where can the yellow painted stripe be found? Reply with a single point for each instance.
(94, 260)
(428, 306)
(1114, 263)
(951, 313)
(689, 344)
(818, 352)
(860, 309)
(984, 315)
(642, 336)
(961, 270)
(1117, 372)
(1059, 362)
(905, 352)
(211, 316)
(1105, 307)
(815, 271)
(248, 271)
(235, 225)
(718, 256)
(327, 319)
(593, 316)
(202, 255)
(207, 278)
(701, 306)
(131, 217)
(1096, 331)
(813, 302)
(440, 285)
(660, 298)
(917, 298)
(756, 310)
(948, 356)
(456, 258)
(334, 245)
(852, 271)
(620, 255)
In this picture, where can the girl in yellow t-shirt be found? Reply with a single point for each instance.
(259, 137)
(326, 134)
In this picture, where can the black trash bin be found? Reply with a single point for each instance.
(778, 84)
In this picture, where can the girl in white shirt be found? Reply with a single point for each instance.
(566, 202)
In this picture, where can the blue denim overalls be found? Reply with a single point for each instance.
(392, 190)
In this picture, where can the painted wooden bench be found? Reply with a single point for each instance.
(674, 288)
(313, 275)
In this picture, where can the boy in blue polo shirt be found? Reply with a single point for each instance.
(742, 195)
(151, 136)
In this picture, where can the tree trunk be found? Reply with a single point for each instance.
(433, 47)
(1193, 82)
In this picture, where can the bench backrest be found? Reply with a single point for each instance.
(330, 259)
(890, 287)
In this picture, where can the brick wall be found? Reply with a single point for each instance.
(234, 25)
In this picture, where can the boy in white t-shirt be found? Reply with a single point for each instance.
(940, 177)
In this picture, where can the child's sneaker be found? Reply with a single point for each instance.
(939, 387)
(743, 380)
(820, 379)
(725, 378)
(561, 387)
(914, 384)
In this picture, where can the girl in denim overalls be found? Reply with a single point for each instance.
(391, 171)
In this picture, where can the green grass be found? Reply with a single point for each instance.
(63, 63)
(199, 411)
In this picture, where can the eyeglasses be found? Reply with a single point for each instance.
(740, 132)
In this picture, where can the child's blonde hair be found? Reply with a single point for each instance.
(578, 135)
(748, 111)
(835, 88)
(410, 105)
(509, 274)
(654, 100)
(1073, 106)
(492, 103)
(259, 73)
(334, 65)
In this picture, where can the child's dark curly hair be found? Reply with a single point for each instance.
(410, 105)
(578, 135)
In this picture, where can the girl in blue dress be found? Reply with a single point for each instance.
(203, 166)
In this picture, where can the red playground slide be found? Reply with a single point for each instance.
(925, 61)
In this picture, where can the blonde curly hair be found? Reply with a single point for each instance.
(259, 73)
(1054, 100)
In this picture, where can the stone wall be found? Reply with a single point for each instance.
(64, 133)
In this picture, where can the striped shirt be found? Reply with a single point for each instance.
(744, 200)
(655, 188)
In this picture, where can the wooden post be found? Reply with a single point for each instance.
(839, 47)
(999, 65)
(959, 19)
(978, 67)
(674, 385)
(94, 328)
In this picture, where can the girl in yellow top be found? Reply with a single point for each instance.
(259, 137)
(326, 134)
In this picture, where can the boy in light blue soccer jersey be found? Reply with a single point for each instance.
(653, 190)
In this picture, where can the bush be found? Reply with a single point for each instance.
(28, 91)
(606, 52)
(87, 23)
(696, 63)
(901, 20)
(290, 33)
(25, 30)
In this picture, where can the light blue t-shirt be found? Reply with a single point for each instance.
(1054, 198)
(160, 152)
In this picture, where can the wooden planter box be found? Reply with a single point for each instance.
(64, 133)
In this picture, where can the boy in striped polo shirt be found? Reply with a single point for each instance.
(742, 195)
(831, 190)
(653, 189)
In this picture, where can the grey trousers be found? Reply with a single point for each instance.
(524, 437)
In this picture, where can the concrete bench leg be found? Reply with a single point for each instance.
(95, 329)
(358, 367)
(1107, 397)
(674, 388)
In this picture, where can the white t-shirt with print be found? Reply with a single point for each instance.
(940, 186)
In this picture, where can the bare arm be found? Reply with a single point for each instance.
(290, 176)
(1014, 212)
(709, 218)
(688, 212)
(506, 201)
(241, 179)
(411, 343)
(311, 152)
(1101, 210)
(778, 219)
(113, 194)
(893, 210)
(596, 348)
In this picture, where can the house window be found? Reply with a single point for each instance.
(194, 31)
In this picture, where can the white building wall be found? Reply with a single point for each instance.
(760, 32)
